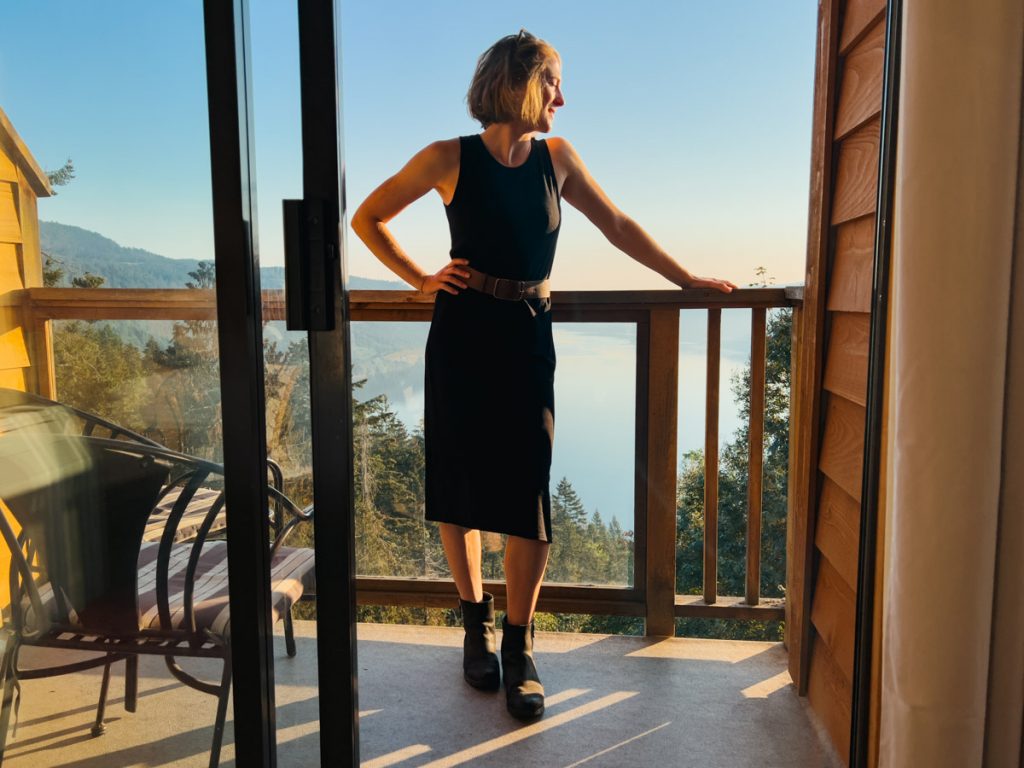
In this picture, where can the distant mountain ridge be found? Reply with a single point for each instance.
(80, 250)
(391, 354)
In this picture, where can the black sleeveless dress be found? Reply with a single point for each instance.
(489, 414)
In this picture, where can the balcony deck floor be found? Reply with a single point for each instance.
(612, 702)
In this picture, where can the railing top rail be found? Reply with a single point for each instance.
(690, 298)
(185, 303)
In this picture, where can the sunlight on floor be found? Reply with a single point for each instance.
(549, 722)
(766, 688)
(693, 649)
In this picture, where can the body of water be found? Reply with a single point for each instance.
(595, 396)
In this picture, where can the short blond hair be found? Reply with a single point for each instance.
(508, 80)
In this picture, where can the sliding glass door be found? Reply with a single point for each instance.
(302, 697)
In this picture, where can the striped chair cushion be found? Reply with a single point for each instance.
(291, 575)
(194, 515)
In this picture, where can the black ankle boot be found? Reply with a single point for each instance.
(524, 695)
(479, 647)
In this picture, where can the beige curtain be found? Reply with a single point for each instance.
(953, 600)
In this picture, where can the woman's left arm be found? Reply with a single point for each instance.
(582, 192)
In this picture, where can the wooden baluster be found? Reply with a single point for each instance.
(711, 457)
(755, 466)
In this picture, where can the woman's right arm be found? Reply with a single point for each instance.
(434, 167)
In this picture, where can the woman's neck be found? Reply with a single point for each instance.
(508, 142)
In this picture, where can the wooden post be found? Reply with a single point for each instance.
(755, 465)
(662, 424)
(711, 457)
(799, 567)
(793, 480)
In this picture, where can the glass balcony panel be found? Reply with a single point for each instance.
(111, 432)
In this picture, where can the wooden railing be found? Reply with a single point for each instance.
(656, 317)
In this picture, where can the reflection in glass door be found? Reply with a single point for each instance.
(129, 474)
(307, 379)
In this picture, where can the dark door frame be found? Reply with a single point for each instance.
(860, 721)
(240, 334)
(240, 338)
(330, 377)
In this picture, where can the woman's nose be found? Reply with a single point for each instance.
(559, 98)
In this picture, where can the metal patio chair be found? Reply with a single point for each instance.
(84, 577)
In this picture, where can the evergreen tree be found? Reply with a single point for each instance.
(183, 412)
(62, 176)
(97, 371)
(567, 557)
(88, 280)
(53, 271)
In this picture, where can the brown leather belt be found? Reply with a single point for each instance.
(509, 290)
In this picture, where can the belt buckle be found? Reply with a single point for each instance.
(520, 287)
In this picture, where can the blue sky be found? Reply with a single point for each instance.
(694, 117)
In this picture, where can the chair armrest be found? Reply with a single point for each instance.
(282, 504)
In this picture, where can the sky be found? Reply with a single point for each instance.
(694, 117)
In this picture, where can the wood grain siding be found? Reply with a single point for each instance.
(859, 17)
(852, 266)
(860, 96)
(834, 616)
(13, 378)
(25, 352)
(835, 475)
(831, 697)
(836, 535)
(846, 366)
(10, 228)
(857, 173)
(31, 256)
(13, 352)
(809, 359)
(8, 170)
(842, 445)
(13, 349)
(10, 271)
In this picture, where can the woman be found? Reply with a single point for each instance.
(490, 361)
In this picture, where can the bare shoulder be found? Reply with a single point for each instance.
(440, 163)
(564, 158)
(562, 150)
(439, 156)
(445, 149)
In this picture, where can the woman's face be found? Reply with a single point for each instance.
(551, 90)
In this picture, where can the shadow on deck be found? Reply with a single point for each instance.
(611, 701)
